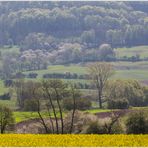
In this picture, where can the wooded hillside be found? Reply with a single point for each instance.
(88, 23)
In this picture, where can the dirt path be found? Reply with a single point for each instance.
(108, 114)
(30, 126)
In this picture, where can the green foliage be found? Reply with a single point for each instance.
(95, 128)
(6, 117)
(118, 104)
(103, 128)
(81, 103)
(38, 41)
(137, 123)
(131, 90)
(106, 52)
(23, 116)
(117, 23)
(26, 90)
(30, 105)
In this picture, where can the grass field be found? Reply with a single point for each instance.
(22, 116)
(3, 89)
(124, 70)
(6, 50)
(72, 140)
(60, 69)
(133, 51)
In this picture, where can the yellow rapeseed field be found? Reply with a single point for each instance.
(72, 140)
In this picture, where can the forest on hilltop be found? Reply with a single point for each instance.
(88, 23)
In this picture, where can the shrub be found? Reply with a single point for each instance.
(7, 119)
(20, 75)
(118, 104)
(5, 96)
(30, 105)
(32, 75)
(81, 104)
(96, 128)
(107, 126)
(81, 121)
(136, 123)
(8, 83)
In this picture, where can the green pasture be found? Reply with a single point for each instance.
(60, 69)
(6, 50)
(9, 103)
(22, 116)
(142, 51)
(124, 70)
(3, 89)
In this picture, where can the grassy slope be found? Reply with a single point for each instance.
(133, 51)
(22, 116)
(6, 50)
(10, 103)
(125, 70)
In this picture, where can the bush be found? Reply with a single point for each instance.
(136, 123)
(8, 83)
(118, 104)
(7, 119)
(30, 105)
(95, 128)
(19, 75)
(32, 75)
(81, 104)
(5, 96)
(106, 127)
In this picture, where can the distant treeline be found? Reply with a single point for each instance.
(87, 23)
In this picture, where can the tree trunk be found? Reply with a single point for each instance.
(54, 111)
(42, 120)
(60, 110)
(52, 125)
(100, 98)
(73, 113)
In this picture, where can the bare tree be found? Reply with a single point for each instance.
(55, 91)
(100, 72)
(59, 91)
(114, 119)
(36, 92)
(74, 94)
(47, 94)
(47, 130)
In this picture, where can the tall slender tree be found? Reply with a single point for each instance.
(100, 72)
